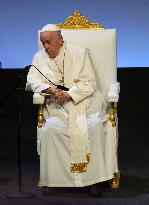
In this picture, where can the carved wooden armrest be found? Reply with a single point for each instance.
(39, 100)
(40, 116)
(115, 181)
(113, 97)
(112, 113)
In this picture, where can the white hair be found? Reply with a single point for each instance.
(50, 27)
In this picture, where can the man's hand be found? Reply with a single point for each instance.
(59, 95)
(62, 96)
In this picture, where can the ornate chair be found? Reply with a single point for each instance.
(102, 44)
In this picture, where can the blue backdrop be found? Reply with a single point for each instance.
(20, 20)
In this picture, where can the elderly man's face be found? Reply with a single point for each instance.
(52, 42)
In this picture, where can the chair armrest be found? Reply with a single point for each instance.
(113, 93)
(38, 99)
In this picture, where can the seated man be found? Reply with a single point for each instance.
(72, 150)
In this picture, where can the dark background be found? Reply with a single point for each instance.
(134, 85)
(133, 112)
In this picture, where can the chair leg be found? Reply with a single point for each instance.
(115, 181)
(39, 185)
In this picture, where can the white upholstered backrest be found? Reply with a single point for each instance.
(101, 43)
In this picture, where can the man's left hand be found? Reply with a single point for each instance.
(62, 96)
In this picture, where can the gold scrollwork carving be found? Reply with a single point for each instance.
(112, 111)
(78, 22)
(40, 116)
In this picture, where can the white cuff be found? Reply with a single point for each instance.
(38, 87)
(38, 99)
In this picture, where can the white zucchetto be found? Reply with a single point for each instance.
(50, 27)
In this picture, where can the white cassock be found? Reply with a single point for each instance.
(75, 64)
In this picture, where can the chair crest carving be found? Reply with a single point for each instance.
(78, 22)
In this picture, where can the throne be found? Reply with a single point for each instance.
(102, 44)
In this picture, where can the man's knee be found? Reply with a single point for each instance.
(54, 123)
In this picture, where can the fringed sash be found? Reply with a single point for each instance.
(79, 142)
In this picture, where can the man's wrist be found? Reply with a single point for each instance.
(69, 98)
(47, 90)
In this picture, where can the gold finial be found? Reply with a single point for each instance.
(76, 13)
(77, 22)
